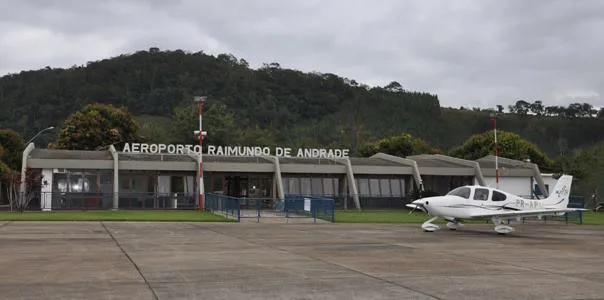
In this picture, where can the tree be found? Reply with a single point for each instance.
(155, 129)
(537, 108)
(510, 145)
(394, 86)
(217, 119)
(33, 180)
(587, 166)
(401, 145)
(521, 107)
(97, 126)
(12, 148)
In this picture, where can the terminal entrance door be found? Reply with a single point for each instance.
(253, 190)
(236, 186)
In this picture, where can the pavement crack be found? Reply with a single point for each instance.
(131, 261)
(327, 262)
(4, 224)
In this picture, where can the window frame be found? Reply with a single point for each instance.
(480, 189)
(458, 190)
(500, 193)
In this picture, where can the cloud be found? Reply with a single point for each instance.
(470, 53)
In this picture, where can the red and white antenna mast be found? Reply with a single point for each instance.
(496, 150)
(200, 100)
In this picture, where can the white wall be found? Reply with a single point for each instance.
(550, 182)
(520, 186)
(46, 190)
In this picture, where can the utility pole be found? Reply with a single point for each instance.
(200, 100)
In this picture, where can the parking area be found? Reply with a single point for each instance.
(139, 260)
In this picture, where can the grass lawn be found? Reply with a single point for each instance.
(592, 218)
(124, 215)
(403, 216)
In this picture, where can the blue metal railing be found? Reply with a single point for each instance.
(309, 206)
(224, 205)
(292, 206)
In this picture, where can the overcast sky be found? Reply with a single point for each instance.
(471, 53)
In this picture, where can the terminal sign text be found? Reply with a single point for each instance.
(235, 150)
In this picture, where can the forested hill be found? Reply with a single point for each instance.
(273, 105)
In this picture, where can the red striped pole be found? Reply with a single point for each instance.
(201, 187)
(494, 121)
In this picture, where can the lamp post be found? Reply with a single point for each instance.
(200, 100)
(40, 132)
(496, 150)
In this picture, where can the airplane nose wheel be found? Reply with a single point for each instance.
(428, 226)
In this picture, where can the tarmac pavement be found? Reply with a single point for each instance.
(139, 260)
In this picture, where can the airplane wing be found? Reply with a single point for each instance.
(526, 213)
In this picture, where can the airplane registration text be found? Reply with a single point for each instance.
(523, 203)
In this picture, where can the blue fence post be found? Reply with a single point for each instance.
(313, 209)
(333, 211)
(238, 210)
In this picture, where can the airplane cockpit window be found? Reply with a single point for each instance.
(481, 194)
(461, 192)
(497, 196)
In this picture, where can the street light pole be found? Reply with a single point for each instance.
(40, 132)
(200, 100)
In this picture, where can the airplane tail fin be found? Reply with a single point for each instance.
(559, 197)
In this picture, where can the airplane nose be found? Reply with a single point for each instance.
(420, 202)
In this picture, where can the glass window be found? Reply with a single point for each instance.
(497, 196)
(481, 194)
(395, 185)
(385, 187)
(294, 187)
(328, 186)
(317, 186)
(217, 183)
(374, 185)
(80, 182)
(284, 182)
(462, 191)
(336, 186)
(363, 186)
(305, 186)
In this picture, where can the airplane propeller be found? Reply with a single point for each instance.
(416, 206)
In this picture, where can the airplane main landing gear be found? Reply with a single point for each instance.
(454, 224)
(428, 226)
(502, 228)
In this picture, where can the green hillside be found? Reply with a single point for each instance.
(272, 105)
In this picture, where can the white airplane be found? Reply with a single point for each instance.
(480, 202)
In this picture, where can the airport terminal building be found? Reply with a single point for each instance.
(166, 176)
